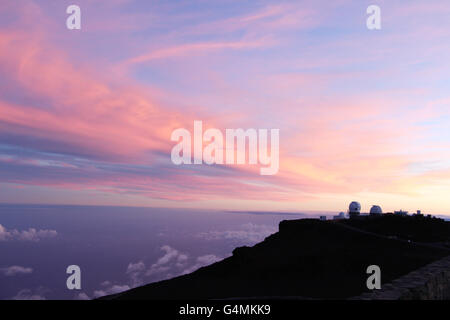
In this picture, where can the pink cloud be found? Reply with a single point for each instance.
(332, 142)
(183, 50)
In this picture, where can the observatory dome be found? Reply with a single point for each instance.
(376, 210)
(354, 207)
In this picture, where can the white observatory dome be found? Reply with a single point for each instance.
(354, 207)
(376, 210)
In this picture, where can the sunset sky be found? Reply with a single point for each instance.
(86, 115)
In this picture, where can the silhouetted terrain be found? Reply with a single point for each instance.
(306, 258)
(415, 228)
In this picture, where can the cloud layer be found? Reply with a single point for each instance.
(249, 233)
(31, 234)
(172, 263)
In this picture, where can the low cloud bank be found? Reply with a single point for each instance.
(31, 234)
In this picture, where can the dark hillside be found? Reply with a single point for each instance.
(415, 228)
(306, 258)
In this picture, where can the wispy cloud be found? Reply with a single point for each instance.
(29, 294)
(183, 50)
(15, 270)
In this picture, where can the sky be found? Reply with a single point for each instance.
(86, 115)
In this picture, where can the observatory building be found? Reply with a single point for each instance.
(401, 213)
(376, 211)
(341, 216)
(354, 209)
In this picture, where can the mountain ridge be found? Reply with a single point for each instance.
(306, 259)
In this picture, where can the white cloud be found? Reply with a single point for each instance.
(134, 272)
(207, 259)
(105, 283)
(164, 266)
(111, 290)
(182, 260)
(15, 270)
(135, 267)
(31, 234)
(27, 294)
(247, 234)
(175, 263)
(201, 262)
(171, 254)
(82, 296)
(157, 270)
(172, 263)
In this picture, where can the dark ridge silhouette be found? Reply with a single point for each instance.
(415, 228)
(307, 258)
